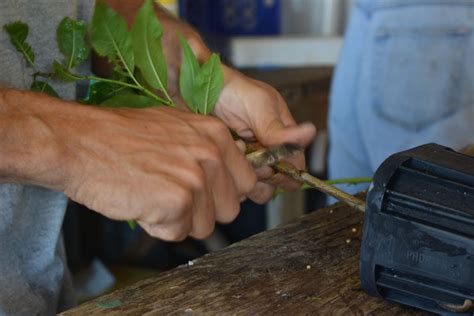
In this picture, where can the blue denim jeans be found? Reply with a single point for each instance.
(405, 77)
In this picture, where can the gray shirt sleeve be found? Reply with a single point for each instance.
(34, 279)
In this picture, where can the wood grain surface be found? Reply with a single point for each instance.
(308, 267)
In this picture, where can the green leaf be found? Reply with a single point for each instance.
(63, 74)
(110, 37)
(130, 101)
(208, 85)
(101, 91)
(44, 87)
(132, 224)
(149, 57)
(18, 32)
(189, 70)
(70, 37)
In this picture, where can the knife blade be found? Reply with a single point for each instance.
(270, 156)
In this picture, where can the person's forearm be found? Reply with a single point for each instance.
(30, 150)
(174, 26)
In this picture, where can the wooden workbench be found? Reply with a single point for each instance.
(308, 267)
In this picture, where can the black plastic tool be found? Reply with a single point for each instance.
(418, 238)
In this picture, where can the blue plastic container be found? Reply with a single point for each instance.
(232, 17)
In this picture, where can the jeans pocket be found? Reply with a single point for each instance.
(421, 75)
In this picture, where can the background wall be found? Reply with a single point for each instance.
(315, 17)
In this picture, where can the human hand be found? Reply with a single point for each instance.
(251, 108)
(174, 172)
(256, 111)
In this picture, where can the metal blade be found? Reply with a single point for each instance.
(270, 156)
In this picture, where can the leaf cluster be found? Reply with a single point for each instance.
(200, 86)
(140, 77)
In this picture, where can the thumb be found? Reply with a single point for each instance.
(276, 133)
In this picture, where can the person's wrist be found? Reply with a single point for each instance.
(31, 151)
(197, 44)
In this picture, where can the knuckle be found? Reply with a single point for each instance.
(261, 193)
(182, 199)
(216, 126)
(204, 231)
(258, 198)
(170, 232)
(230, 214)
(246, 182)
(210, 151)
(174, 233)
(267, 93)
(250, 183)
(197, 176)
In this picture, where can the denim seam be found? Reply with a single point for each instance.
(369, 10)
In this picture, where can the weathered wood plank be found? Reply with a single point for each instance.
(305, 268)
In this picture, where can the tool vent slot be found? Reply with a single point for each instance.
(464, 177)
(390, 281)
(438, 201)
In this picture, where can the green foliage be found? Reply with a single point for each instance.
(200, 86)
(149, 57)
(63, 74)
(18, 32)
(101, 91)
(208, 85)
(132, 224)
(130, 101)
(44, 87)
(70, 36)
(110, 37)
(189, 69)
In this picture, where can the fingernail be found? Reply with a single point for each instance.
(264, 172)
(241, 145)
(246, 134)
(307, 125)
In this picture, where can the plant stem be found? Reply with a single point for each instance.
(125, 84)
(352, 181)
(121, 83)
(349, 181)
(320, 185)
(137, 86)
